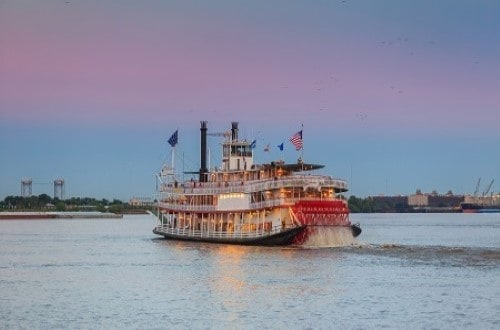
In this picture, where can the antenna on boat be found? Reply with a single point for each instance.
(302, 149)
(172, 157)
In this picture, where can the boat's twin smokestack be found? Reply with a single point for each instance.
(234, 131)
(203, 155)
(203, 144)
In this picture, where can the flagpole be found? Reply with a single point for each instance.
(173, 157)
(302, 137)
(173, 154)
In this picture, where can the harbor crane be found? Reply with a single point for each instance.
(489, 188)
(477, 187)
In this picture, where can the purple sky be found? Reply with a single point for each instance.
(393, 95)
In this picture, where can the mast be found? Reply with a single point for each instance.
(302, 151)
(173, 155)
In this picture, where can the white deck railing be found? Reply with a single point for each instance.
(209, 188)
(211, 208)
(186, 207)
(166, 229)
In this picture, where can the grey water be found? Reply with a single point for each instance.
(418, 271)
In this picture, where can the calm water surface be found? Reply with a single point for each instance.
(420, 271)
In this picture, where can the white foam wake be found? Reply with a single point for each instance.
(326, 236)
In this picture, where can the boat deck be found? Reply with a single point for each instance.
(277, 235)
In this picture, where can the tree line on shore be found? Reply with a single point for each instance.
(375, 205)
(44, 202)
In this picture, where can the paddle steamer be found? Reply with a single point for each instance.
(251, 204)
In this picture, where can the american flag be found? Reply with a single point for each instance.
(296, 140)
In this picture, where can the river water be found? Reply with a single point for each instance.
(418, 271)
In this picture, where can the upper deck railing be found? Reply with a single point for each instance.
(211, 208)
(211, 188)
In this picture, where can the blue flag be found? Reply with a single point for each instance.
(253, 144)
(280, 146)
(173, 139)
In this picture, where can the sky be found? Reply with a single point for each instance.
(392, 95)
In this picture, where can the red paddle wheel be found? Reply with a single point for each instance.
(320, 213)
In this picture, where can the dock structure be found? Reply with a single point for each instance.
(57, 215)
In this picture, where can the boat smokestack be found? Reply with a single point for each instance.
(203, 153)
(234, 131)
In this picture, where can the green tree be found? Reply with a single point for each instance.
(60, 206)
(100, 208)
(360, 205)
(116, 208)
(44, 199)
